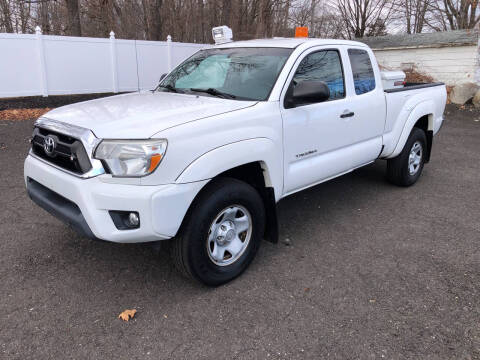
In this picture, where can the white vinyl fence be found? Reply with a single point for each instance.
(59, 65)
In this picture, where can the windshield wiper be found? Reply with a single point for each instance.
(214, 92)
(169, 87)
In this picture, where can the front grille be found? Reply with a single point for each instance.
(68, 153)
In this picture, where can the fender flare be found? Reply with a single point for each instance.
(425, 108)
(229, 156)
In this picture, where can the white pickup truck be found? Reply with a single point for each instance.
(204, 158)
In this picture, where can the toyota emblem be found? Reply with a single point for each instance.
(49, 145)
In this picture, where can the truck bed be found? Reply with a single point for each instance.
(401, 105)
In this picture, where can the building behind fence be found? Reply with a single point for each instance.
(451, 56)
(59, 65)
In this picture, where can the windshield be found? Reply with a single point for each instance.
(235, 73)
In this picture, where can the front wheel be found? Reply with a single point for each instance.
(221, 232)
(405, 169)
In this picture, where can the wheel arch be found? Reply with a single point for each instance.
(254, 161)
(220, 160)
(422, 116)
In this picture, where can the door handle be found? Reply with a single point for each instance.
(347, 114)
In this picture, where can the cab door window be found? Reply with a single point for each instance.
(323, 66)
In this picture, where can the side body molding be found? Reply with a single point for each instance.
(235, 154)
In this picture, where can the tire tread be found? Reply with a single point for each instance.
(396, 172)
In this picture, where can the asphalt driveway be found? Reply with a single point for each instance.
(370, 271)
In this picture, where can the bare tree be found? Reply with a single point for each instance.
(192, 20)
(74, 27)
(321, 18)
(23, 16)
(414, 14)
(300, 14)
(153, 18)
(6, 16)
(455, 14)
(365, 17)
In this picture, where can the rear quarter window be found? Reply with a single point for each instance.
(363, 75)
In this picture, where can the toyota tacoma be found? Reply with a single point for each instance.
(205, 157)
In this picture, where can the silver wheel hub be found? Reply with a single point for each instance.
(415, 158)
(229, 235)
(225, 233)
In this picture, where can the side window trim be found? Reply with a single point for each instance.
(353, 74)
(299, 61)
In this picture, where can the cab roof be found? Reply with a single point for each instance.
(288, 43)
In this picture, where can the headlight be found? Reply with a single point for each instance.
(131, 157)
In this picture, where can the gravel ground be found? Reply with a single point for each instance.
(371, 271)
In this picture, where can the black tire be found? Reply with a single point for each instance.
(398, 168)
(189, 249)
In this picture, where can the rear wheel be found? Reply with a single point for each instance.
(406, 168)
(221, 233)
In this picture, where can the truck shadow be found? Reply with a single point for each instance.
(326, 205)
(329, 202)
(133, 270)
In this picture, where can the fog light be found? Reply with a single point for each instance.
(125, 220)
(133, 219)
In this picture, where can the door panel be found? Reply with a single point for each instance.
(314, 134)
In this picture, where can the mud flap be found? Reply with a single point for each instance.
(429, 145)
(271, 229)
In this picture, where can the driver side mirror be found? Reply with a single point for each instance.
(162, 77)
(307, 92)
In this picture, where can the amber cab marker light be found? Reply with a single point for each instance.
(301, 31)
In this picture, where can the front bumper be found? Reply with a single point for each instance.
(85, 203)
(59, 207)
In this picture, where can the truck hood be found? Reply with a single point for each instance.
(141, 115)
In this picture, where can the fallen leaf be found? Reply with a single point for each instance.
(22, 114)
(127, 314)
